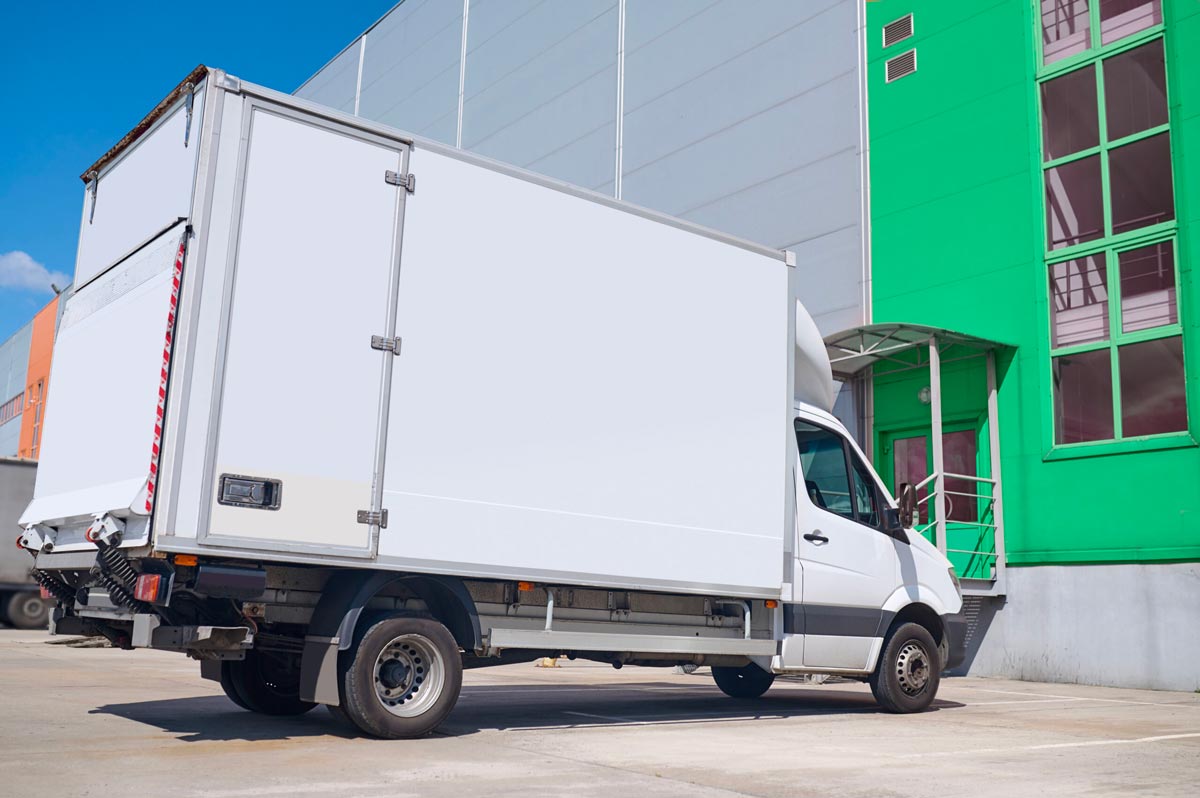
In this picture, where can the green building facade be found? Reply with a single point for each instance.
(1035, 182)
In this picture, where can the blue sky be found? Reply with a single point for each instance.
(79, 75)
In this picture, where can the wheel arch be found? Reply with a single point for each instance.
(340, 608)
(922, 615)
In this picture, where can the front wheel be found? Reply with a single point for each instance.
(748, 681)
(403, 679)
(909, 670)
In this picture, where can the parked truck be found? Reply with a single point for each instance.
(21, 603)
(340, 412)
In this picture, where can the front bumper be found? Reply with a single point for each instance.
(956, 640)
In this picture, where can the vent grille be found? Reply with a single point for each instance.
(897, 31)
(901, 65)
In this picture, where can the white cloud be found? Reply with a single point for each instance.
(18, 270)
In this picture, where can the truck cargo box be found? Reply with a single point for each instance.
(305, 336)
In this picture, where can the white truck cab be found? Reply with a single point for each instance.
(857, 566)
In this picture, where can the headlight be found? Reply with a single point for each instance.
(954, 579)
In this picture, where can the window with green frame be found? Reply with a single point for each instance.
(1116, 345)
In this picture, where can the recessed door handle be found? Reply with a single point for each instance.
(816, 536)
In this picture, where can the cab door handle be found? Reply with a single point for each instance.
(816, 536)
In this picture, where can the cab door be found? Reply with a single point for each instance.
(848, 564)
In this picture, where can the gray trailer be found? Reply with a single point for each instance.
(21, 603)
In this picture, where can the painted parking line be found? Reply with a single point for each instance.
(600, 717)
(1052, 746)
(1087, 698)
(1022, 701)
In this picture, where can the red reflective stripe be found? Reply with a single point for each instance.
(155, 449)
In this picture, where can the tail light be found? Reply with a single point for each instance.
(151, 588)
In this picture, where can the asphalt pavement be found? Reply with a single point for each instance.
(104, 722)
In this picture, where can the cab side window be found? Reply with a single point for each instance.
(835, 479)
(866, 494)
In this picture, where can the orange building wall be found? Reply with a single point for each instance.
(41, 346)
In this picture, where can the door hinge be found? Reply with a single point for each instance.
(94, 177)
(385, 344)
(190, 90)
(372, 517)
(409, 181)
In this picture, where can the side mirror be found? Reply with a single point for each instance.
(908, 504)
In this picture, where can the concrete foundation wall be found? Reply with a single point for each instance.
(1116, 625)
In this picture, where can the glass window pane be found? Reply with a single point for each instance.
(1135, 90)
(1078, 301)
(1074, 208)
(1064, 28)
(1083, 397)
(910, 464)
(959, 456)
(1070, 121)
(1153, 400)
(823, 463)
(1140, 181)
(866, 494)
(1148, 287)
(1120, 18)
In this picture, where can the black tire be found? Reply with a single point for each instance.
(27, 610)
(230, 688)
(748, 681)
(909, 670)
(265, 682)
(4, 598)
(394, 661)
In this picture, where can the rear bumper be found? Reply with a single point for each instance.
(956, 640)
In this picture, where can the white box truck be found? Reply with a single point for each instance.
(340, 412)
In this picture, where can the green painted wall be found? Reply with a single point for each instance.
(957, 242)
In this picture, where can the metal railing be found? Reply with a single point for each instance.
(984, 560)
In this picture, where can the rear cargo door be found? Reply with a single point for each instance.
(313, 267)
(103, 418)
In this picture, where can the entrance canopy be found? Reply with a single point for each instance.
(920, 346)
(850, 351)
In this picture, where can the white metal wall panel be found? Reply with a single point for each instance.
(146, 189)
(584, 394)
(745, 117)
(99, 422)
(541, 87)
(14, 366)
(410, 69)
(301, 382)
(337, 84)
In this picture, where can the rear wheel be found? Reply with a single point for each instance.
(749, 681)
(27, 610)
(265, 682)
(230, 688)
(403, 679)
(909, 670)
